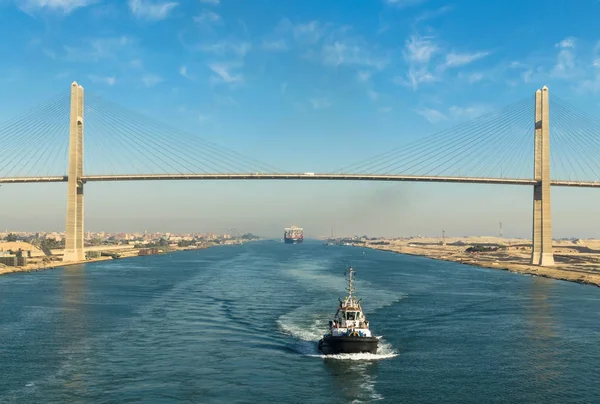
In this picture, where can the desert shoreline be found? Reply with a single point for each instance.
(575, 260)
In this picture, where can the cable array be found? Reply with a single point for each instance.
(121, 141)
(574, 143)
(496, 145)
(36, 143)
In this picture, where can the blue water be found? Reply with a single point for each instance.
(240, 324)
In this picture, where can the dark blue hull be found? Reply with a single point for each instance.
(330, 345)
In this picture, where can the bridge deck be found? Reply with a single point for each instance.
(304, 177)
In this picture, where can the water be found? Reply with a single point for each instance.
(240, 324)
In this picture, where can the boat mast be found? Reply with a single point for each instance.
(350, 275)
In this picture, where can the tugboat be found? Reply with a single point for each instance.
(349, 330)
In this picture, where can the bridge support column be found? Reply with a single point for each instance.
(541, 251)
(74, 232)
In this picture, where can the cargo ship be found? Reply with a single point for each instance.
(293, 235)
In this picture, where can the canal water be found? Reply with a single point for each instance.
(240, 324)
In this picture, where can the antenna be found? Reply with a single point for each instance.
(350, 277)
(500, 229)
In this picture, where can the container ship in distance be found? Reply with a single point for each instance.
(293, 235)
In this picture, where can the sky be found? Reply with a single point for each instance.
(309, 86)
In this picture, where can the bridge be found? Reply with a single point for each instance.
(510, 146)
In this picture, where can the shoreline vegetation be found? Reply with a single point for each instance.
(40, 262)
(576, 260)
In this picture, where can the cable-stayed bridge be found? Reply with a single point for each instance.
(509, 146)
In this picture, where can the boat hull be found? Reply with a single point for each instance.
(292, 240)
(330, 345)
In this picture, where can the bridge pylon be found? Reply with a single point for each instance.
(541, 250)
(74, 231)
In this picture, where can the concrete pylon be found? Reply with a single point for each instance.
(74, 234)
(541, 251)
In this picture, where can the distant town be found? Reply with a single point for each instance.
(44, 249)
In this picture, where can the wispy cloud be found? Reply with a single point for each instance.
(151, 10)
(427, 61)
(275, 45)
(95, 49)
(212, 2)
(320, 103)
(454, 112)
(225, 47)
(306, 33)
(208, 17)
(333, 45)
(350, 52)
(62, 6)
(404, 3)
(462, 59)
(431, 14)
(419, 49)
(150, 80)
(183, 71)
(470, 112)
(223, 74)
(103, 80)
(363, 76)
(565, 60)
(432, 115)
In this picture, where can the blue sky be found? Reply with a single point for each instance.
(305, 85)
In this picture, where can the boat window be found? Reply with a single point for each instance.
(350, 315)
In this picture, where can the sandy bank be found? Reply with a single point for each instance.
(575, 261)
(42, 266)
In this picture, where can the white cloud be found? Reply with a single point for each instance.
(427, 62)
(95, 49)
(275, 45)
(430, 14)
(63, 6)
(475, 77)
(320, 103)
(565, 60)
(150, 80)
(470, 112)
(208, 17)
(462, 59)
(104, 80)
(227, 47)
(136, 64)
(223, 74)
(416, 77)
(183, 71)
(373, 95)
(350, 53)
(568, 42)
(454, 112)
(307, 33)
(404, 3)
(213, 2)
(432, 115)
(151, 9)
(418, 49)
(363, 76)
